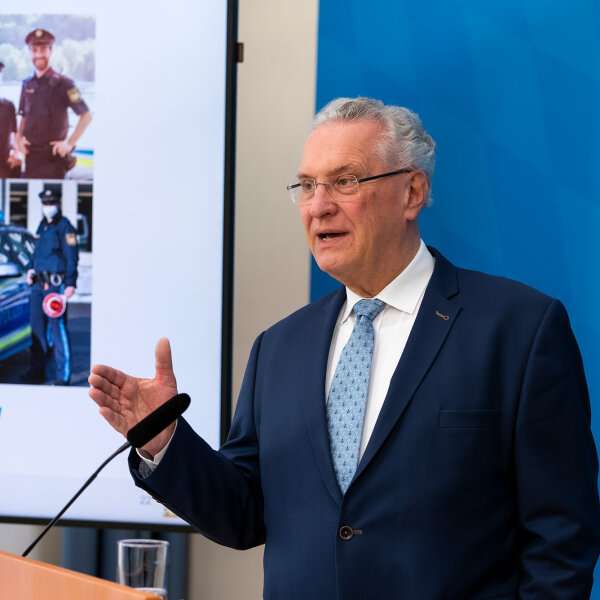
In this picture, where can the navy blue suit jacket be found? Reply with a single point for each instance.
(479, 480)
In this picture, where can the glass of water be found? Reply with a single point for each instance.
(142, 564)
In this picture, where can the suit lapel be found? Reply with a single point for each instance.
(315, 356)
(436, 316)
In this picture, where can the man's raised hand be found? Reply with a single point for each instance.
(125, 400)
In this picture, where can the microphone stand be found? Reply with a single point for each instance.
(85, 485)
(137, 436)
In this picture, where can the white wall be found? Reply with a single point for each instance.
(276, 92)
(276, 97)
(16, 538)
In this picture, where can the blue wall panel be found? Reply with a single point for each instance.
(510, 91)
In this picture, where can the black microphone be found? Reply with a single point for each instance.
(137, 436)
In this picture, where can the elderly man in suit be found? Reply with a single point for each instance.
(422, 432)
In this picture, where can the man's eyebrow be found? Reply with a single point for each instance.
(350, 168)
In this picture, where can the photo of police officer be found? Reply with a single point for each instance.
(47, 135)
(46, 96)
(10, 163)
(52, 278)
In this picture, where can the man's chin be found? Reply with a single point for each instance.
(331, 267)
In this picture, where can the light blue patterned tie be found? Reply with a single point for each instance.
(348, 393)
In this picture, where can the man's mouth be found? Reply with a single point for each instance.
(330, 235)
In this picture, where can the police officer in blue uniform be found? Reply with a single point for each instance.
(46, 97)
(54, 271)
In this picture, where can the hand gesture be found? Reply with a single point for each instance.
(13, 160)
(22, 145)
(61, 148)
(125, 400)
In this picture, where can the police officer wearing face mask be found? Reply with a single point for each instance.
(54, 271)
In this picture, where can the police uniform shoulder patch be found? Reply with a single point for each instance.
(74, 95)
(71, 239)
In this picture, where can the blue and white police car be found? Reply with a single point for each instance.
(16, 251)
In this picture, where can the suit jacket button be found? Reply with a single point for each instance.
(346, 532)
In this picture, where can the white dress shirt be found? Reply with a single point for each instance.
(392, 327)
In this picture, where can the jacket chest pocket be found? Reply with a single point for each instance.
(30, 97)
(468, 419)
(39, 102)
(51, 242)
(56, 247)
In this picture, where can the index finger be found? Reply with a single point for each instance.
(113, 376)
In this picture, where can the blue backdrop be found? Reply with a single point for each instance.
(509, 89)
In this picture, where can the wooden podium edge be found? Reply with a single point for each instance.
(28, 579)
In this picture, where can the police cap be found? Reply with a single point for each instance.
(50, 197)
(39, 36)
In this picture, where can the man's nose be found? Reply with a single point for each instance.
(322, 202)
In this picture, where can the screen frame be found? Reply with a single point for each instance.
(232, 58)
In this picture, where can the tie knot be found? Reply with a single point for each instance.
(368, 308)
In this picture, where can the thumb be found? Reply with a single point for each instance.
(164, 363)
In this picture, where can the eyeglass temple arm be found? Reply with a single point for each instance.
(292, 186)
(384, 175)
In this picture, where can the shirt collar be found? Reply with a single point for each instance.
(405, 291)
(47, 74)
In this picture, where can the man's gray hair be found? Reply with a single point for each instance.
(404, 142)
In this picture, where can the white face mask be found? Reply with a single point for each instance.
(49, 210)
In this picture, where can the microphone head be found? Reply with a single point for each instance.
(159, 419)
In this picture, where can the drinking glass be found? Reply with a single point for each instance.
(141, 564)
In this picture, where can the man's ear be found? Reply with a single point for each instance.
(417, 194)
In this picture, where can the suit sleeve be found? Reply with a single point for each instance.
(556, 467)
(217, 492)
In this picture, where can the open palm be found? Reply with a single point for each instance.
(125, 400)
